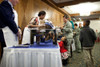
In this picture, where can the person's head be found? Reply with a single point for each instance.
(75, 25)
(65, 18)
(86, 23)
(80, 24)
(14, 2)
(42, 14)
(96, 30)
(63, 38)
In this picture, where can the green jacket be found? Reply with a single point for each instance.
(67, 30)
(77, 32)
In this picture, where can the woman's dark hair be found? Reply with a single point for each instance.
(87, 22)
(66, 16)
(75, 24)
(65, 43)
(41, 13)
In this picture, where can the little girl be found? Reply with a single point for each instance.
(63, 50)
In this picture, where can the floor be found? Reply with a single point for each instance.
(77, 59)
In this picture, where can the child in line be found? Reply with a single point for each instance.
(63, 50)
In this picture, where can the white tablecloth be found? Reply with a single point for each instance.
(31, 57)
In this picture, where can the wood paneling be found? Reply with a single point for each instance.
(29, 8)
(1, 1)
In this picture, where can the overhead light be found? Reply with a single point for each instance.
(83, 8)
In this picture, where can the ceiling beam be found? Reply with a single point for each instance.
(77, 14)
(91, 19)
(55, 7)
(83, 18)
(92, 13)
(53, 4)
(95, 12)
(73, 2)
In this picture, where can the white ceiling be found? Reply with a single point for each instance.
(83, 7)
(61, 1)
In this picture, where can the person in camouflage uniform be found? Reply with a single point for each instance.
(67, 32)
(76, 33)
(80, 26)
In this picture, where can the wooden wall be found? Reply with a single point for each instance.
(30, 8)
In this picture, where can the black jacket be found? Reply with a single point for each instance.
(7, 18)
(87, 37)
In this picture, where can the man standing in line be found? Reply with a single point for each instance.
(67, 32)
(87, 39)
(7, 21)
(76, 33)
